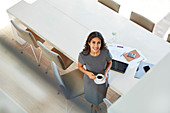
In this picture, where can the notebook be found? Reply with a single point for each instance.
(130, 58)
(119, 66)
(142, 69)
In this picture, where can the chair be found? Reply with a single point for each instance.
(142, 21)
(70, 84)
(30, 38)
(107, 102)
(59, 58)
(111, 4)
(168, 39)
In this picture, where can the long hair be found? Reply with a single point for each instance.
(92, 35)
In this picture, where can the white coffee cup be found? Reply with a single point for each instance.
(100, 77)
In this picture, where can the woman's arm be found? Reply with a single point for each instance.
(90, 74)
(109, 64)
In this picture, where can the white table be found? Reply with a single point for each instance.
(67, 23)
(52, 25)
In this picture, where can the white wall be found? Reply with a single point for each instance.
(150, 95)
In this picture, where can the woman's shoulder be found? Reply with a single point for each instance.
(105, 50)
(83, 53)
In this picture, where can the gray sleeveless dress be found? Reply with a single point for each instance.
(94, 93)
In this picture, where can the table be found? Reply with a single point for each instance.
(51, 26)
(66, 25)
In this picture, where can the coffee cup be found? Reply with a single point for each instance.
(99, 77)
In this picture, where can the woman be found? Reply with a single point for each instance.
(97, 60)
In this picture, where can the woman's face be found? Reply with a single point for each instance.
(95, 44)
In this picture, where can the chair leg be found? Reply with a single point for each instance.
(68, 110)
(40, 57)
(48, 67)
(24, 47)
(59, 90)
(34, 54)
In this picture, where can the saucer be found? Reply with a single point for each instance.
(97, 81)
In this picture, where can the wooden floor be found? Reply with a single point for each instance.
(8, 105)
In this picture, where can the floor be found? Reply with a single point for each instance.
(27, 86)
(12, 107)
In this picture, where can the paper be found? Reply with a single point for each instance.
(142, 69)
(117, 51)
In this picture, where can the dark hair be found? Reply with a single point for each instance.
(92, 35)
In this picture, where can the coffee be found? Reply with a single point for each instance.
(99, 77)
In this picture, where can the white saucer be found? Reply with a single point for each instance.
(97, 81)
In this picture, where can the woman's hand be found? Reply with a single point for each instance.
(106, 78)
(91, 75)
(88, 73)
(109, 64)
(105, 74)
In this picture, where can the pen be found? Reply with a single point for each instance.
(122, 54)
(120, 46)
